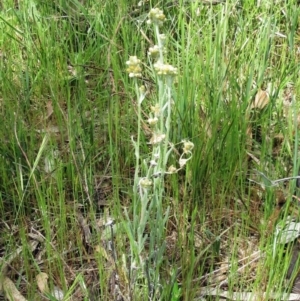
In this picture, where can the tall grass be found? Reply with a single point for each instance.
(69, 110)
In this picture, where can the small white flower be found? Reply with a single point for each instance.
(163, 38)
(152, 121)
(165, 69)
(153, 163)
(133, 60)
(156, 156)
(153, 51)
(155, 109)
(157, 138)
(182, 162)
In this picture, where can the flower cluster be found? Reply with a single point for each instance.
(134, 69)
(145, 183)
(157, 138)
(156, 17)
(153, 51)
(152, 121)
(165, 69)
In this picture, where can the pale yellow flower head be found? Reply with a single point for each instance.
(145, 183)
(153, 121)
(156, 110)
(157, 138)
(162, 38)
(134, 69)
(154, 51)
(165, 69)
(172, 169)
(156, 17)
(142, 89)
(187, 146)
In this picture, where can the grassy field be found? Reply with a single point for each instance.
(110, 191)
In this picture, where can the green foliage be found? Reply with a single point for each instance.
(69, 115)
